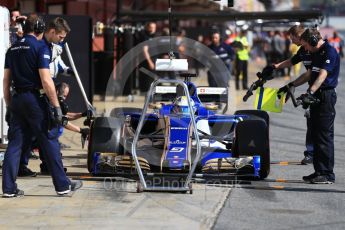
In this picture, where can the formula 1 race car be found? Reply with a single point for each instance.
(165, 141)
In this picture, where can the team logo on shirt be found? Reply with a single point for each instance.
(46, 56)
(328, 61)
(315, 69)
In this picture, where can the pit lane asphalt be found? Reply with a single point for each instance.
(283, 200)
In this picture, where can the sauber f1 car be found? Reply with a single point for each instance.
(166, 141)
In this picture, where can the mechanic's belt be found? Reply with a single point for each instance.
(323, 89)
(29, 90)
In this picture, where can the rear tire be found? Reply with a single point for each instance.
(105, 136)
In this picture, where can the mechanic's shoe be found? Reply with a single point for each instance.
(321, 179)
(18, 193)
(26, 172)
(75, 185)
(307, 160)
(64, 146)
(310, 177)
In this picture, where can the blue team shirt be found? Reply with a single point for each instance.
(24, 58)
(326, 58)
(224, 52)
(304, 56)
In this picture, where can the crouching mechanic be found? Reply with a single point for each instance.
(323, 78)
(27, 71)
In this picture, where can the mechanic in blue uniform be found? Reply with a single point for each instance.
(323, 79)
(54, 40)
(27, 71)
(304, 56)
(323, 75)
(226, 54)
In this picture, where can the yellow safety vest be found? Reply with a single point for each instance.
(243, 54)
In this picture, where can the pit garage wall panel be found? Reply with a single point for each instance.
(80, 43)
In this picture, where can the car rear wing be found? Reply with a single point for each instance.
(206, 94)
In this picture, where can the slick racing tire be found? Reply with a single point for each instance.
(105, 137)
(265, 157)
(252, 138)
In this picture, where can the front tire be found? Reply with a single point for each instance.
(105, 136)
(252, 138)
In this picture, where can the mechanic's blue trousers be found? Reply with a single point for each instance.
(26, 151)
(27, 148)
(322, 117)
(31, 114)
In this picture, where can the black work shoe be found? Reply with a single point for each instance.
(26, 172)
(64, 146)
(75, 185)
(18, 193)
(310, 177)
(307, 160)
(321, 179)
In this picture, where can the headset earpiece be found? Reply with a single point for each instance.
(313, 41)
(39, 26)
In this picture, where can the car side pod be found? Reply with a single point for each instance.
(187, 186)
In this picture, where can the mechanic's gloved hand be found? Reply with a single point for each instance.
(308, 99)
(84, 114)
(57, 114)
(267, 72)
(87, 122)
(84, 131)
(289, 89)
(84, 134)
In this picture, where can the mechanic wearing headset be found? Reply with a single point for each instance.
(323, 78)
(27, 70)
(303, 55)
